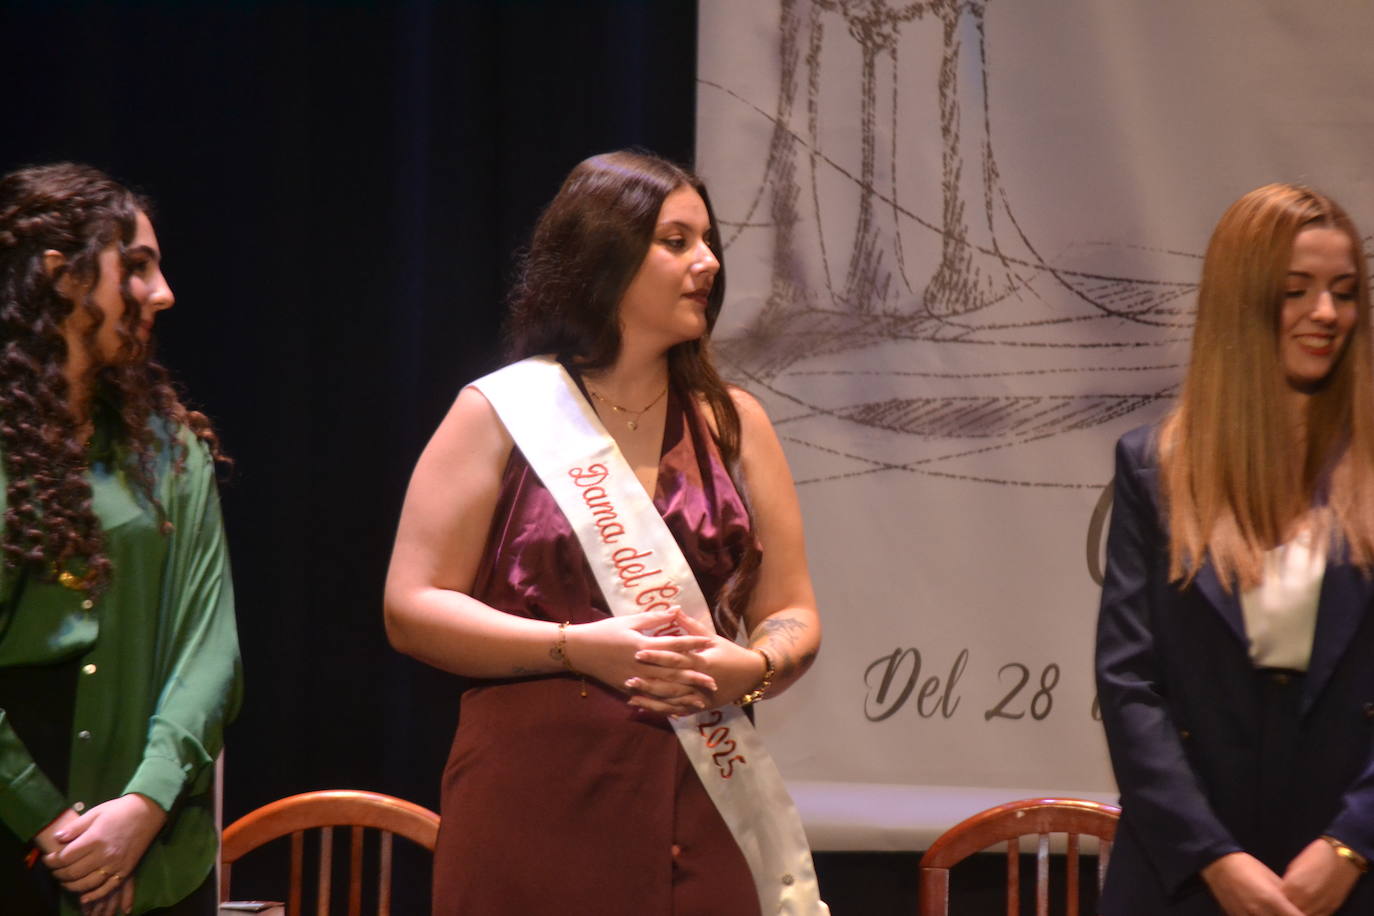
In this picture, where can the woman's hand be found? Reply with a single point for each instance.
(1318, 880)
(46, 840)
(102, 847)
(1244, 886)
(613, 651)
(734, 669)
(114, 903)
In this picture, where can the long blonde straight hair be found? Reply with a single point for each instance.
(1235, 477)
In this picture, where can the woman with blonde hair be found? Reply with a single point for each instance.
(1235, 634)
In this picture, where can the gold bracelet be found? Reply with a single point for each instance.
(560, 652)
(757, 693)
(1345, 852)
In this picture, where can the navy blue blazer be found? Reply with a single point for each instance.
(1181, 707)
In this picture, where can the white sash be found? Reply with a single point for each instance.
(640, 567)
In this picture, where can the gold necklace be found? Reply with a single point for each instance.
(633, 421)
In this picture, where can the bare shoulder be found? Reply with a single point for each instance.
(472, 407)
(470, 432)
(751, 412)
(761, 454)
(758, 441)
(452, 495)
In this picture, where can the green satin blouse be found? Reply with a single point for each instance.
(159, 667)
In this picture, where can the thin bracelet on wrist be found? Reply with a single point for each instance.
(560, 653)
(1345, 852)
(757, 693)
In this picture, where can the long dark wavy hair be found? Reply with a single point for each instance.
(586, 248)
(50, 527)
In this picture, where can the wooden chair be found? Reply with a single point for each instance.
(1007, 824)
(326, 810)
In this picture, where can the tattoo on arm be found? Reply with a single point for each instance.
(780, 635)
(788, 665)
(783, 629)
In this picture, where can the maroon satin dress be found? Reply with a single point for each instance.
(554, 803)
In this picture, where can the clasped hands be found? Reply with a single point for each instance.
(94, 854)
(1315, 883)
(672, 675)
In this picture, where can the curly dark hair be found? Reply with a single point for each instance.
(50, 527)
(586, 248)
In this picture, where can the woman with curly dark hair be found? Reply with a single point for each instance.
(118, 651)
(581, 538)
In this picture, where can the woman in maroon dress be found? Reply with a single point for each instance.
(566, 790)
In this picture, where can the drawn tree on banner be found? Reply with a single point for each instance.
(875, 27)
(989, 287)
(962, 283)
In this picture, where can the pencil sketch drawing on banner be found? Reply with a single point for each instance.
(909, 320)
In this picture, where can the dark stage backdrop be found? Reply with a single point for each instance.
(339, 188)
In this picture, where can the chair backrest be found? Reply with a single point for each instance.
(324, 811)
(1007, 823)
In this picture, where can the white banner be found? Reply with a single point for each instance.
(963, 239)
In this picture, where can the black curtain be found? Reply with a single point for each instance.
(339, 191)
